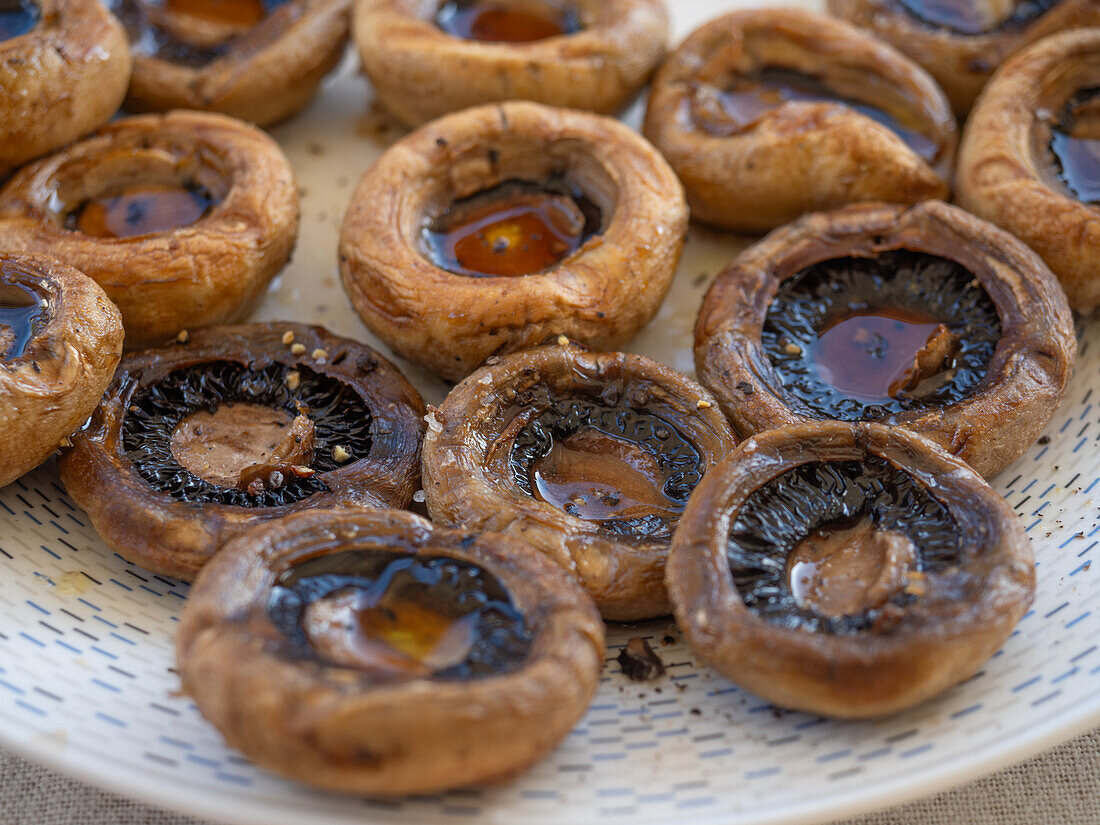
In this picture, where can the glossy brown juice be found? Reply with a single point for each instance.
(21, 310)
(228, 12)
(511, 230)
(1076, 148)
(497, 21)
(140, 210)
(869, 354)
(17, 17)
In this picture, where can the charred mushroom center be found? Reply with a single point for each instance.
(129, 191)
(738, 103)
(861, 338)
(246, 446)
(396, 616)
(848, 569)
(507, 21)
(836, 546)
(513, 229)
(1075, 146)
(976, 17)
(222, 433)
(631, 471)
(23, 310)
(17, 17)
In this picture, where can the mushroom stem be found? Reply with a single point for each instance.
(930, 360)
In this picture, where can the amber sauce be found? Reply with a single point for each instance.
(494, 21)
(141, 210)
(511, 230)
(17, 17)
(770, 88)
(599, 477)
(21, 312)
(1076, 148)
(228, 12)
(962, 16)
(870, 354)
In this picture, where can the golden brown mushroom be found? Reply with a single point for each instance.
(962, 42)
(588, 456)
(769, 113)
(369, 652)
(183, 218)
(60, 341)
(197, 441)
(1030, 160)
(257, 60)
(429, 58)
(923, 317)
(849, 570)
(66, 70)
(492, 229)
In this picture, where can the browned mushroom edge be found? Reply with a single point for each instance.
(126, 470)
(419, 71)
(211, 269)
(532, 409)
(257, 60)
(945, 615)
(988, 427)
(961, 43)
(752, 169)
(1008, 173)
(314, 716)
(67, 77)
(601, 294)
(60, 341)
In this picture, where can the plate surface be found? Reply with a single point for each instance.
(86, 656)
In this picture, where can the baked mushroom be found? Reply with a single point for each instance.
(196, 441)
(769, 113)
(426, 58)
(962, 42)
(67, 70)
(924, 317)
(588, 456)
(1030, 160)
(372, 653)
(257, 60)
(183, 218)
(60, 341)
(493, 229)
(849, 570)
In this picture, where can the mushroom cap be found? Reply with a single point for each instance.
(961, 63)
(799, 156)
(51, 388)
(989, 428)
(1004, 176)
(601, 295)
(468, 480)
(209, 272)
(939, 641)
(420, 72)
(268, 74)
(176, 537)
(325, 726)
(61, 80)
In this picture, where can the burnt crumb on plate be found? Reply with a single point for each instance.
(639, 662)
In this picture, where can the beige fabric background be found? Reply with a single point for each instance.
(1058, 788)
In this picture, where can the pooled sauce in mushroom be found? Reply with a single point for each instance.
(17, 17)
(22, 312)
(141, 210)
(862, 338)
(161, 419)
(230, 12)
(725, 112)
(513, 229)
(506, 21)
(841, 547)
(973, 17)
(1075, 144)
(394, 616)
(627, 470)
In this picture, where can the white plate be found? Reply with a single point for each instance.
(87, 686)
